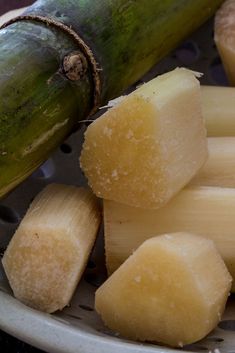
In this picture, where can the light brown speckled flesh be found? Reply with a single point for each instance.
(172, 290)
(148, 146)
(48, 253)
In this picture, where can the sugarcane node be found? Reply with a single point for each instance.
(74, 66)
(88, 56)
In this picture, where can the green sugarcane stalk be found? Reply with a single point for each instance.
(47, 80)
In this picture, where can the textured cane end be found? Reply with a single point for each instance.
(75, 66)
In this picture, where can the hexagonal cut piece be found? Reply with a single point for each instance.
(47, 255)
(148, 146)
(172, 290)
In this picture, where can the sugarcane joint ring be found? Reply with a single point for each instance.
(75, 63)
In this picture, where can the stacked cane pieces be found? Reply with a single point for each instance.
(138, 157)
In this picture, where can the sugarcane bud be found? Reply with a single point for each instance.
(74, 66)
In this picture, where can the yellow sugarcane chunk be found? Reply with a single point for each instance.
(148, 146)
(49, 251)
(172, 290)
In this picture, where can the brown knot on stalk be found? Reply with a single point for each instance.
(74, 66)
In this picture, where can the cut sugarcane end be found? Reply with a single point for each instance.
(225, 37)
(150, 144)
(48, 253)
(172, 290)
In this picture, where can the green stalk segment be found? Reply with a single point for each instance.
(41, 102)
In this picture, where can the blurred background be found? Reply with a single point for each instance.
(7, 5)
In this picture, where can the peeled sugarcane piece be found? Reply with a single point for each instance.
(49, 251)
(219, 169)
(218, 109)
(147, 147)
(224, 37)
(207, 211)
(47, 78)
(172, 290)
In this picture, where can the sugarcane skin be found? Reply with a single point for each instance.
(39, 106)
(118, 30)
(45, 103)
